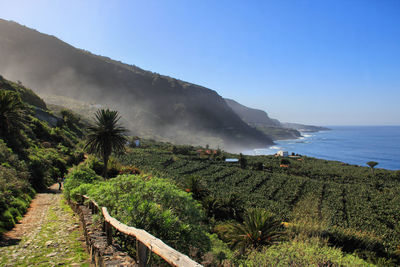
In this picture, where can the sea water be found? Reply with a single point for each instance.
(349, 144)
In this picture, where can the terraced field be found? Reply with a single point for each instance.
(350, 197)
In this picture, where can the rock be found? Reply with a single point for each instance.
(51, 254)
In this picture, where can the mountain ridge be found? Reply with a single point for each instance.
(156, 105)
(272, 127)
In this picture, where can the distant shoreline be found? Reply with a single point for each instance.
(355, 145)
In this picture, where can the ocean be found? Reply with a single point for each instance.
(350, 144)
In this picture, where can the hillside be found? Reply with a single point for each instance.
(251, 115)
(345, 206)
(154, 105)
(271, 127)
(36, 148)
(303, 128)
(260, 120)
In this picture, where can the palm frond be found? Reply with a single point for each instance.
(260, 228)
(106, 135)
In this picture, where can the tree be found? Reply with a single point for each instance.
(197, 187)
(260, 228)
(106, 136)
(285, 162)
(372, 164)
(11, 112)
(242, 161)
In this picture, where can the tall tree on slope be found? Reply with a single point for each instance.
(106, 136)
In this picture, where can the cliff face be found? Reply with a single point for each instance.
(261, 121)
(153, 104)
(272, 127)
(251, 115)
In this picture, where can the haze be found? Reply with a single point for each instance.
(314, 62)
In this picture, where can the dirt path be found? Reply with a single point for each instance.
(48, 235)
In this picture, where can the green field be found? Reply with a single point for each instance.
(354, 208)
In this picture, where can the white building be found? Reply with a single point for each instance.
(282, 153)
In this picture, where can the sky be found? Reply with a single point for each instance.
(314, 62)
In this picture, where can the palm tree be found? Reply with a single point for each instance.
(372, 164)
(260, 228)
(197, 187)
(11, 111)
(106, 136)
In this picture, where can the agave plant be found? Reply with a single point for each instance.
(260, 228)
(11, 111)
(106, 136)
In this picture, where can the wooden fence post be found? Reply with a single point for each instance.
(142, 253)
(108, 233)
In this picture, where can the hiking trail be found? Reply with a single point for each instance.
(48, 235)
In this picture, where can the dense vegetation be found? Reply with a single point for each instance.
(350, 206)
(261, 210)
(146, 202)
(36, 148)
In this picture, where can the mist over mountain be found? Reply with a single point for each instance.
(153, 105)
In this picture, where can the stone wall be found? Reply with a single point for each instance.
(101, 253)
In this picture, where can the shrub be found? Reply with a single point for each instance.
(285, 162)
(6, 221)
(300, 253)
(95, 164)
(156, 206)
(78, 175)
(260, 228)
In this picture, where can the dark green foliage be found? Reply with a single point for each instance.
(196, 186)
(45, 165)
(32, 153)
(259, 229)
(345, 196)
(15, 190)
(372, 165)
(149, 203)
(106, 136)
(258, 166)
(95, 164)
(227, 207)
(242, 161)
(77, 176)
(285, 162)
(182, 149)
(72, 121)
(302, 253)
(27, 95)
(11, 112)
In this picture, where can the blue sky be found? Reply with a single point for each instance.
(318, 62)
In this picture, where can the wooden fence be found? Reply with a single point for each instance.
(145, 242)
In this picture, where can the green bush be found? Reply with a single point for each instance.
(77, 176)
(6, 221)
(155, 205)
(300, 253)
(95, 164)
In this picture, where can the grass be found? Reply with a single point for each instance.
(57, 242)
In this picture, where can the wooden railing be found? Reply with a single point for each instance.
(145, 242)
